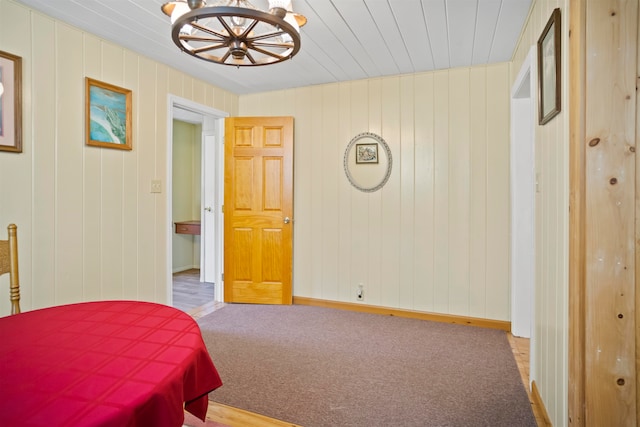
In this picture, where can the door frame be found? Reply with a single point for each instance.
(523, 189)
(212, 125)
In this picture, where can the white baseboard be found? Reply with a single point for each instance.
(184, 268)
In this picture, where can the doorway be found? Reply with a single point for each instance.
(523, 191)
(259, 210)
(210, 123)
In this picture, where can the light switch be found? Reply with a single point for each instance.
(156, 186)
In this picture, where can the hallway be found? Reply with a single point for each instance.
(189, 292)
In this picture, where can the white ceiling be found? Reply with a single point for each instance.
(342, 40)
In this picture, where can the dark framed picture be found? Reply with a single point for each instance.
(10, 102)
(107, 115)
(366, 153)
(549, 77)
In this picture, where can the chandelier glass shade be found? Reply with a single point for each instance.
(234, 32)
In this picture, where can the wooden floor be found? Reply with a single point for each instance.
(520, 348)
(233, 417)
(189, 292)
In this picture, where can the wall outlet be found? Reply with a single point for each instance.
(360, 292)
(156, 186)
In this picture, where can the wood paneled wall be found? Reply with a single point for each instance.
(436, 236)
(610, 184)
(549, 359)
(89, 227)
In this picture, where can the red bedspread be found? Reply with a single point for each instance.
(111, 363)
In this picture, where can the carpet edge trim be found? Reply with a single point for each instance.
(422, 315)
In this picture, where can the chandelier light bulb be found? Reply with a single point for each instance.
(290, 19)
(238, 22)
(179, 9)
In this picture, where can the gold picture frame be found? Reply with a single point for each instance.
(107, 115)
(549, 69)
(10, 102)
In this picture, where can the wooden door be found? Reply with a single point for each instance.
(258, 210)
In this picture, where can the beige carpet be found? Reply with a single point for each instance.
(323, 367)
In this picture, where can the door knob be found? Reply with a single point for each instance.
(287, 220)
(208, 209)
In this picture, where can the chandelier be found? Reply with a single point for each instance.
(234, 32)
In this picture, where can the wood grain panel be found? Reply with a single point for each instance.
(68, 179)
(315, 141)
(375, 284)
(390, 215)
(343, 202)
(303, 160)
(243, 170)
(200, 90)
(330, 182)
(577, 212)
(263, 293)
(243, 137)
(497, 193)
(358, 213)
(174, 82)
(424, 250)
(407, 281)
(187, 86)
(441, 193)
(112, 185)
(43, 191)
(272, 170)
(478, 196)
(146, 149)
(92, 171)
(459, 193)
(162, 278)
(610, 118)
(130, 201)
(272, 256)
(244, 243)
(273, 136)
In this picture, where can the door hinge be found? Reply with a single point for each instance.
(222, 209)
(222, 277)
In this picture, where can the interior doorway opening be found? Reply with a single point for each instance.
(210, 125)
(523, 193)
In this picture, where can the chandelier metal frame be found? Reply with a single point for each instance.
(232, 45)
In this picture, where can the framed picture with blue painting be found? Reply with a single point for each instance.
(107, 115)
